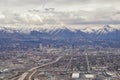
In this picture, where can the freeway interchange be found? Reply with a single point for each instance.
(28, 75)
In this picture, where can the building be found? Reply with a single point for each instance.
(75, 75)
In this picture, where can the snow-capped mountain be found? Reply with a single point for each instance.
(98, 29)
(84, 34)
(106, 29)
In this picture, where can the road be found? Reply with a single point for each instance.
(23, 76)
(28, 75)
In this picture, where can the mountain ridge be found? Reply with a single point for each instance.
(107, 35)
(86, 29)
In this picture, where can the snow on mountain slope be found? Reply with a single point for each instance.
(98, 29)
(106, 29)
(28, 28)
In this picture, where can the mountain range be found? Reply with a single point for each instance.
(85, 35)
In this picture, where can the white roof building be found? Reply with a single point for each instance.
(89, 76)
(75, 75)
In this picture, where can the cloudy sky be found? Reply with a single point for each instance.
(59, 12)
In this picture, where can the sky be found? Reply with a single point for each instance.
(59, 12)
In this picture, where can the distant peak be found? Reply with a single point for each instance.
(105, 29)
(107, 26)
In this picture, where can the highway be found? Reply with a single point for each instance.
(28, 75)
(68, 65)
(23, 76)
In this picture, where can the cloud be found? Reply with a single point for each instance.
(61, 4)
(25, 18)
(61, 17)
(65, 12)
(40, 18)
(67, 2)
